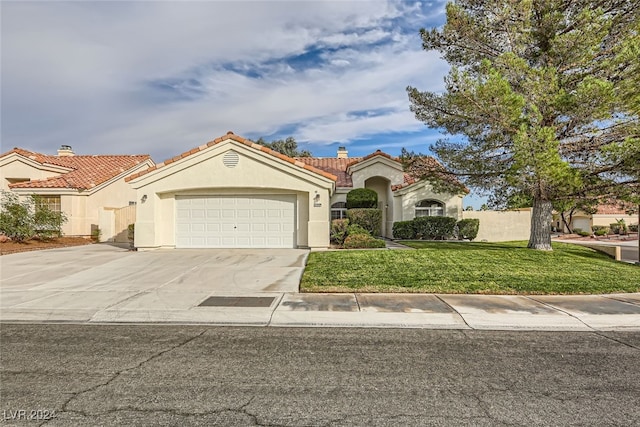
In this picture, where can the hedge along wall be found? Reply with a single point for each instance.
(501, 226)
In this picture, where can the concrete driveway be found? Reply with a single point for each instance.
(105, 283)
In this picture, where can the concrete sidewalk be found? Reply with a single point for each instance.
(103, 284)
(506, 312)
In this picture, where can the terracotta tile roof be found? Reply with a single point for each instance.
(85, 172)
(332, 165)
(612, 209)
(234, 137)
(369, 156)
(339, 166)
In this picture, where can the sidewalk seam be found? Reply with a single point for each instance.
(562, 311)
(455, 311)
(274, 310)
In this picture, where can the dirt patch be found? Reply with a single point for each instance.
(36, 245)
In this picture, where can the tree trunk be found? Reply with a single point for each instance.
(541, 225)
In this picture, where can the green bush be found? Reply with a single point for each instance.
(434, 227)
(600, 230)
(619, 227)
(364, 198)
(362, 241)
(468, 228)
(633, 228)
(131, 234)
(339, 231)
(369, 219)
(355, 229)
(16, 218)
(404, 230)
(23, 220)
(583, 233)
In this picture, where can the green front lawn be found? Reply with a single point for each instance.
(479, 268)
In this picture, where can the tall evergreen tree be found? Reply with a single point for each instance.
(288, 147)
(545, 93)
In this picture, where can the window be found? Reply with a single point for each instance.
(338, 210)
(429, 208)
(52, 202)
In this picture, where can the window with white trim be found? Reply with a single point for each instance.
(338, 210)
(51, 202)
(429, 208)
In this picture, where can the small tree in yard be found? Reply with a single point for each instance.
(16, 217)
(23, 220)
(545, 94)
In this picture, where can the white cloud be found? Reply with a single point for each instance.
(88, 74)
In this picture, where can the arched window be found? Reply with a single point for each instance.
(338, 210)
(429, 208)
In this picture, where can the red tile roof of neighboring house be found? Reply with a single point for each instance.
(85, 172)
(612, 209)
(249, 143)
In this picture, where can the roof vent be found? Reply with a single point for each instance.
(343, 153)
(230, 159)
(65, 151)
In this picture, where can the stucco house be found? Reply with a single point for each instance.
(604, 215)
(233, 193)
(78, 185)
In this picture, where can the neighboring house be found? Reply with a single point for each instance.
(233, 193)
(605, 215)
(79, 186)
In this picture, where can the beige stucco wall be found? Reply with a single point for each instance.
(405, 200)
(600, 219)
(377, 166)
(501, 226)
(204, 173)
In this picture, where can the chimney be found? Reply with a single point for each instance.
(65, 151)
(343, 153)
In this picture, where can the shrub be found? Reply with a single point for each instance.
(355, 229)
(22, 220)
(633, 228)
(583, 233)
(369, 219)
(338, 231)
(468, 228)
(434, 227)
(96, 233)
(362, 241)
(404, 230)
(16, 218)
(600, 230)
(47, 223)
(619, 227)
(131, 233)
(362, 198)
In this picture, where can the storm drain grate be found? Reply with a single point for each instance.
(237, 302)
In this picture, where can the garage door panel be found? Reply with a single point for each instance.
(235, 221)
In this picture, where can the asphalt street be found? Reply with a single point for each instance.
(70, 375)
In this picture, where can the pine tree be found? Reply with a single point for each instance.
(545, 93)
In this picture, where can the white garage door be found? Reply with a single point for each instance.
(235, 221)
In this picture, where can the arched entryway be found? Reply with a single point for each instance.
(382, 186)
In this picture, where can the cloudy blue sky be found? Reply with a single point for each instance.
(163, 77)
